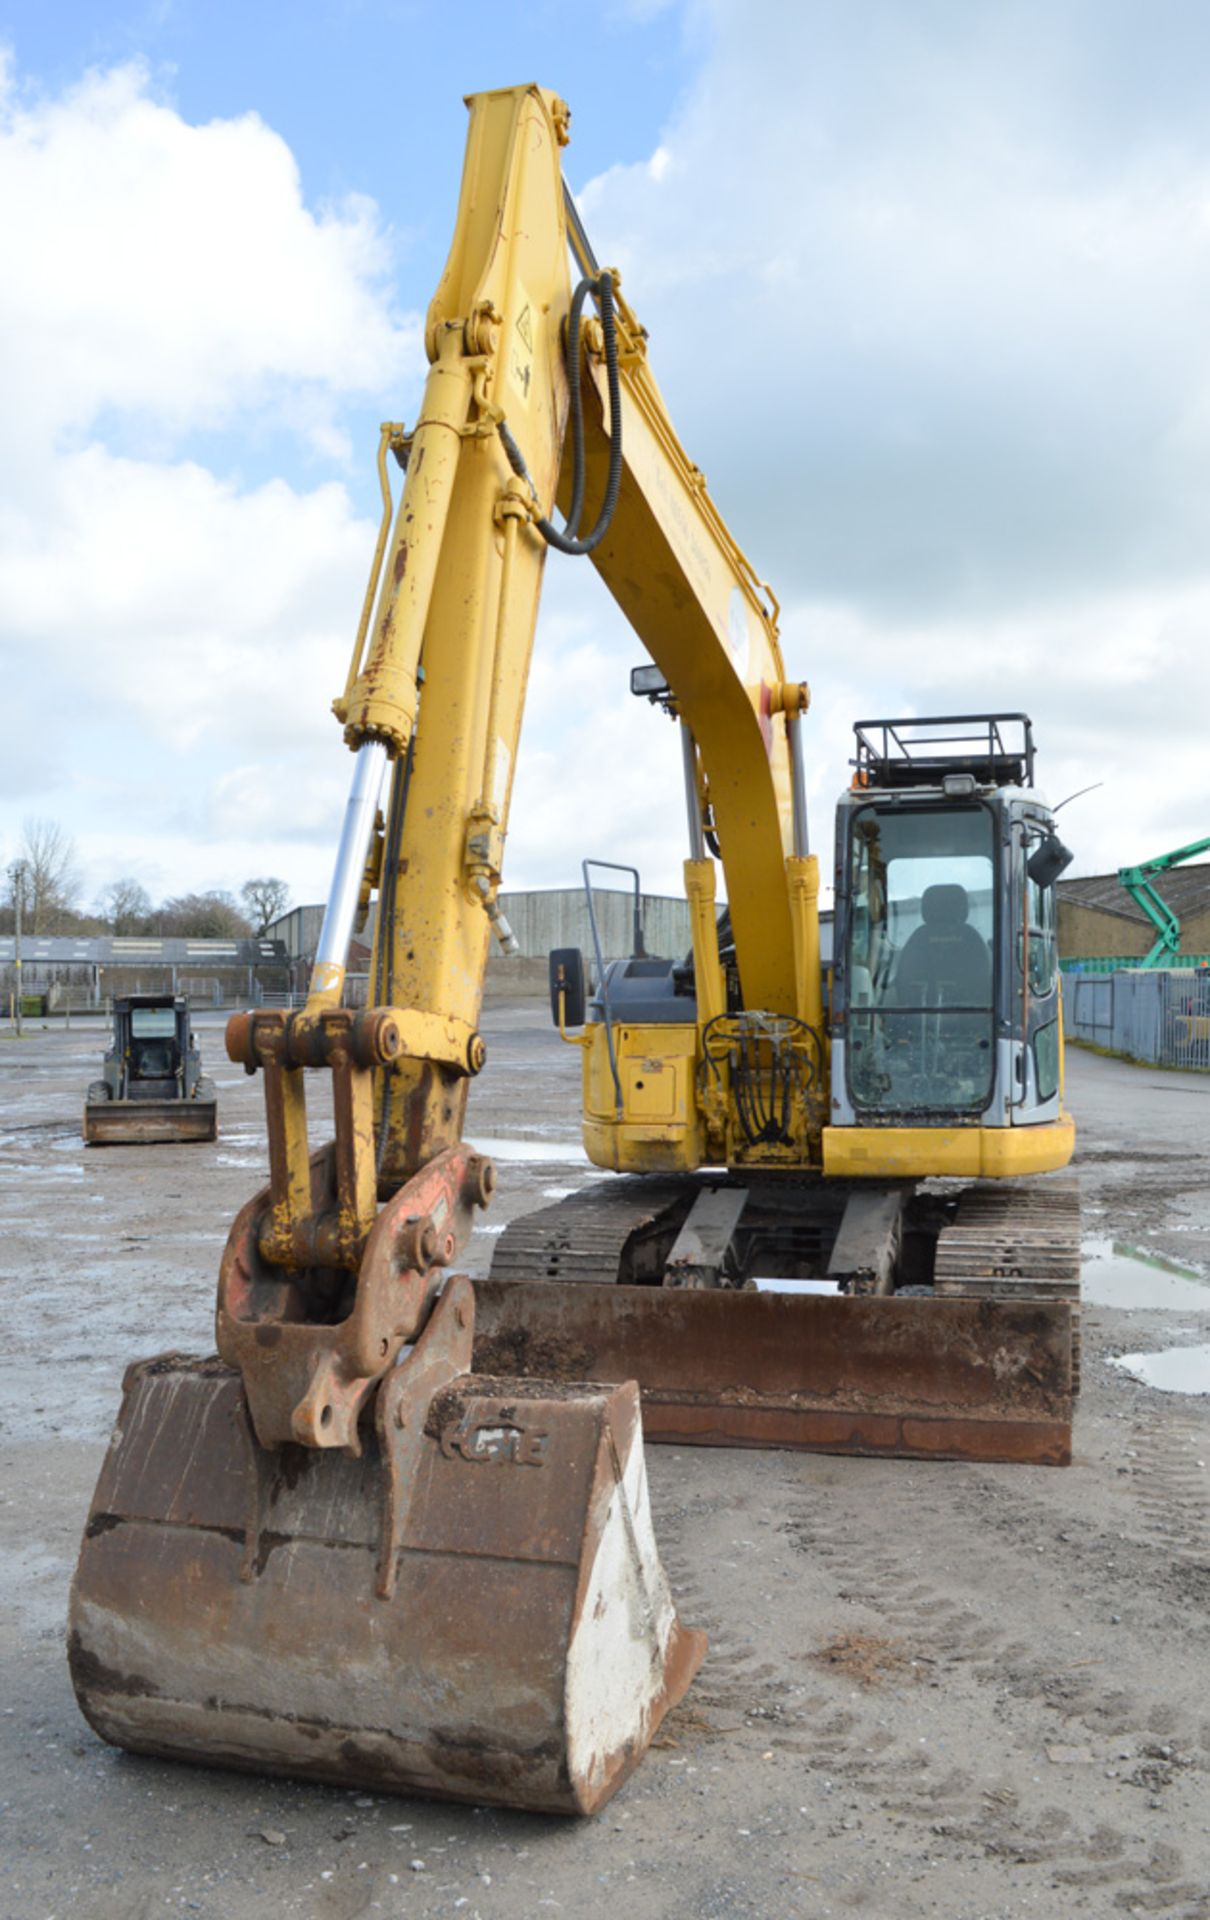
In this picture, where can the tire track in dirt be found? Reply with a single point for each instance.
(738, 1678)
(1171, 1485)
(944, 1632)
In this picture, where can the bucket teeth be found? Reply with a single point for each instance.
(228, 1606)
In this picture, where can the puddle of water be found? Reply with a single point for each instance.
(257, 1162)
(27, 1170)
(770, 1283)
(550, 1152)
(1115, 1274)
(496, 1226)
(1175, 1370)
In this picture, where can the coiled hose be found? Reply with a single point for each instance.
(566, 539)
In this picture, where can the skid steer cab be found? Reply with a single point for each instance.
(152, 1087)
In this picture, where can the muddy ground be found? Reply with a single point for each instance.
(966, 1692)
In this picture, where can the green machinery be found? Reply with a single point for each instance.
(1138, 882)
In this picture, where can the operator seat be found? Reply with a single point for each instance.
(945, 962)
(155, 1059)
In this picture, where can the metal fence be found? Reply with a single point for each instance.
(1117, 962)
(1159, 1015)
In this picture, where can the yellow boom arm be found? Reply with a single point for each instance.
(436, 686)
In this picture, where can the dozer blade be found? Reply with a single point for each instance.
(113, 1123)
(931, 1378)
(473, 1608)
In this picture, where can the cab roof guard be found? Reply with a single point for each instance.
(997, 748)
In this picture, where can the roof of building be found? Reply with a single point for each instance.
(109, 950)
(1186, 890)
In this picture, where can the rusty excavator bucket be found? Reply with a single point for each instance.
(334, 1551)
(474, 1608)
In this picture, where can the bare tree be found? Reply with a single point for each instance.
(52, 884)
(126, 905)
(200, 916)
(264, 900)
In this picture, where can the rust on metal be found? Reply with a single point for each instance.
(268, 1037)
(111, 1123)
(292, 1232)
(401, 1409)
(487, 1569)
(312, 1344)
(930, 1378)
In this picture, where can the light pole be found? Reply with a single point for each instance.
(16, 874)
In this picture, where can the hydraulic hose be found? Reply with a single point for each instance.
(384, 983)
(567, 539)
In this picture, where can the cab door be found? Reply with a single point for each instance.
(1035, 973)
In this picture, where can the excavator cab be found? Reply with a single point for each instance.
(945, 996)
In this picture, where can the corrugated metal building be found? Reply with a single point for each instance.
(542, 919)
(558, 917)
(88, 972)
(298, 931)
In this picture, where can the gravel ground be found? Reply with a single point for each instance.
(966, 1692)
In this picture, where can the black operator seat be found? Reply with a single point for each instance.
(945, 962)
(155, 1059)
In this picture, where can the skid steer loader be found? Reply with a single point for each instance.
(152, 1087)
(354, 1545)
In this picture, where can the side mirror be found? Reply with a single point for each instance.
(567, 982)
(1048, 860)
(648, 681)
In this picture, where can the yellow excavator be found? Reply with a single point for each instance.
(397, 1532)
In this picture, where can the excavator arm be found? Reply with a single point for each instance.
(336, 1551)
(432, 708)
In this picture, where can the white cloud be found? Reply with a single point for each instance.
(179, 600)
(930, 359)
(599, 773)
(174, 273)
(927, 296)
(183, 626)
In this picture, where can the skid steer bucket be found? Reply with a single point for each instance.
(958, 1379)
(113, 1123)
(473, 1608)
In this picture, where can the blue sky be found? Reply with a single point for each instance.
(362, 91)
(927, 291)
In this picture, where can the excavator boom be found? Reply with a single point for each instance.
(335, 1550)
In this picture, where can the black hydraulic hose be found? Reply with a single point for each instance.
(575, 401)
(566, 539)
(385, 980)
